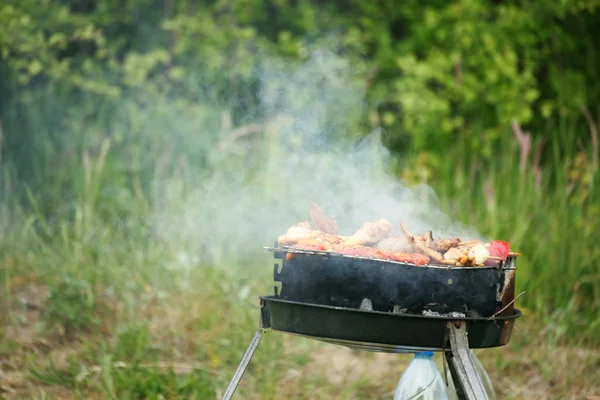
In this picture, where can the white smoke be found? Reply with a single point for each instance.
(245, 205)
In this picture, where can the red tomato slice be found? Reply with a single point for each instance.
(499, 248)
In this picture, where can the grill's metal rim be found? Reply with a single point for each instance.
(366, 346)
(516, 312)
(287, 249)
(380, 331)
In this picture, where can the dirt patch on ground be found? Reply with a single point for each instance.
(23, 336)
(341, 364)
(529, 373)
(22, 326)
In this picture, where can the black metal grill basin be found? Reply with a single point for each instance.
(345, 281)
(379, 331)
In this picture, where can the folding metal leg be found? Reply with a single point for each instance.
(243, 364)
(467, 382)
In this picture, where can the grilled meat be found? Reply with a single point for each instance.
(361, 251)
(396, 243)
(468, 254)
(479, 253)
(370, 233)
(297, 232)
(457, 252)
(443, 245)
(321, 242)
(413, 258)
(459, 256)
(420, 244)
(304, 230)
(321, 221)
(372, 241)
(366, 251)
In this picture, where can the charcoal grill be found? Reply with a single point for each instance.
(410, 309)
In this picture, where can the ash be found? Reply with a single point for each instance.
(366, 305)
(453, 314)
(399, 310)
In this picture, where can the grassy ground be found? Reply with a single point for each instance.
(58, 343)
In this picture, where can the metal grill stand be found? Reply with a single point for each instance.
(243, 364)
(467, 381)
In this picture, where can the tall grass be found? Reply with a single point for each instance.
(551, 218)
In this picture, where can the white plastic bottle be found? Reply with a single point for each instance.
(421, 380)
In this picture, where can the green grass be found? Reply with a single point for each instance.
(93, 309)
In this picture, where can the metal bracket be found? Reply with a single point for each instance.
(467, 382)
(276, 273)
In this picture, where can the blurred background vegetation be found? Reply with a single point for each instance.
(494, 104)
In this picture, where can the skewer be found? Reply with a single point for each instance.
(512, 253)
(468, 242)
(506, 306)
(495, 257)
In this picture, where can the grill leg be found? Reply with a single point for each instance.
(243, 364)
(467, 381)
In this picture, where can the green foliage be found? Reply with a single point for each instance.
(435, 71)
(41, 38)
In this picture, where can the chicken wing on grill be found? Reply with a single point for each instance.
(370, 233)
(304, 230)
(297, 232)
(321, 242)
(421, 245)
(443, 245)
(396, 243)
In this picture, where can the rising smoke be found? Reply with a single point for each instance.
(302, 157)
